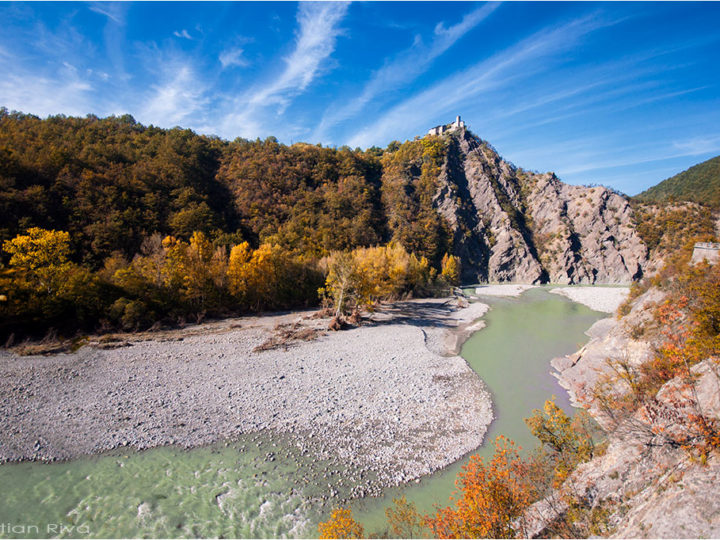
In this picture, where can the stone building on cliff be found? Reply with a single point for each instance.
(439, 130)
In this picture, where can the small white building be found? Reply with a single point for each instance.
(706, 251)
(439, 130)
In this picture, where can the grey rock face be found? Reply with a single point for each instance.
(513, 225)
(652, 489)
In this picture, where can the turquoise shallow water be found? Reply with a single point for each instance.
(247, 489)
(237, 491)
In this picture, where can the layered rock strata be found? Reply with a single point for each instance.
(513, 225)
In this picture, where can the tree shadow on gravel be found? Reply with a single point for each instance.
(417, 313)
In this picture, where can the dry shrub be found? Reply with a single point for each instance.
(286, 335)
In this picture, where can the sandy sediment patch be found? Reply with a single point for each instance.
(510, 289)
(386, 397)
(604, 299)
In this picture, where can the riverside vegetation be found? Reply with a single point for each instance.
(108, 224)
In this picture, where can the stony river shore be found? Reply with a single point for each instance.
(390, 400)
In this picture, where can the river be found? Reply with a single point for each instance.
(512, 355)
(263, 487)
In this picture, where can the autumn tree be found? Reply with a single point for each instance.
(271, 277)
(365, 276)
(491, 500)
(171, 277)
(567, 440)
(341, 283)
(197, 270)
(341, 525)
(403, 519)
(451, 269)
(240, 256)
(38, 248)
(42, 285)
(40, 258)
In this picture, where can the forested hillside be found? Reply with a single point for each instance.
(671, 229)
(699, 184)
(112, 182)
(106, 223)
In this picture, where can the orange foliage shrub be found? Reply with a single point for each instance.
(566, 441)
(690, 333)
(492, 500)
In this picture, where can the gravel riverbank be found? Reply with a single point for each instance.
(388, 398)
(503, 289)
(598, 298)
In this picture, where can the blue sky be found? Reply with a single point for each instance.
(621, 94)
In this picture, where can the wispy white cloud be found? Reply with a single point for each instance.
(319, 28)
(233, 57)
(698, 145)
(112, 10)
(629, 156)
(404, 68)
(45, 95)
(607, 164)
(554, 106)
(521, 61)
(658, 97)
(180, 96)
(589, 157)
(58, 85)
(613, 99)
(182, 34)
(73, 79)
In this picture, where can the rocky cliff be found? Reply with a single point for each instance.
(508, 224)
(644, 485)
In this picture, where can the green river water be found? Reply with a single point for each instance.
(512, 355)
(234, 490)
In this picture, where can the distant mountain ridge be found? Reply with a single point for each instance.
(700, 184)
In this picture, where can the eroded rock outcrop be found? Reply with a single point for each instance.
(644, 485)
(513, 225)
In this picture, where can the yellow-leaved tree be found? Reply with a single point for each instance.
(342, 282)
(364, 276)
(269, 277)
(41, 256)
(240, 256)
(568, 440)
(197, 269)
(451, 269)
(403, 519)
(341, 525)
(42, 286)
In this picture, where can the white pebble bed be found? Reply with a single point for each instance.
(511, 289)
(598, 298)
